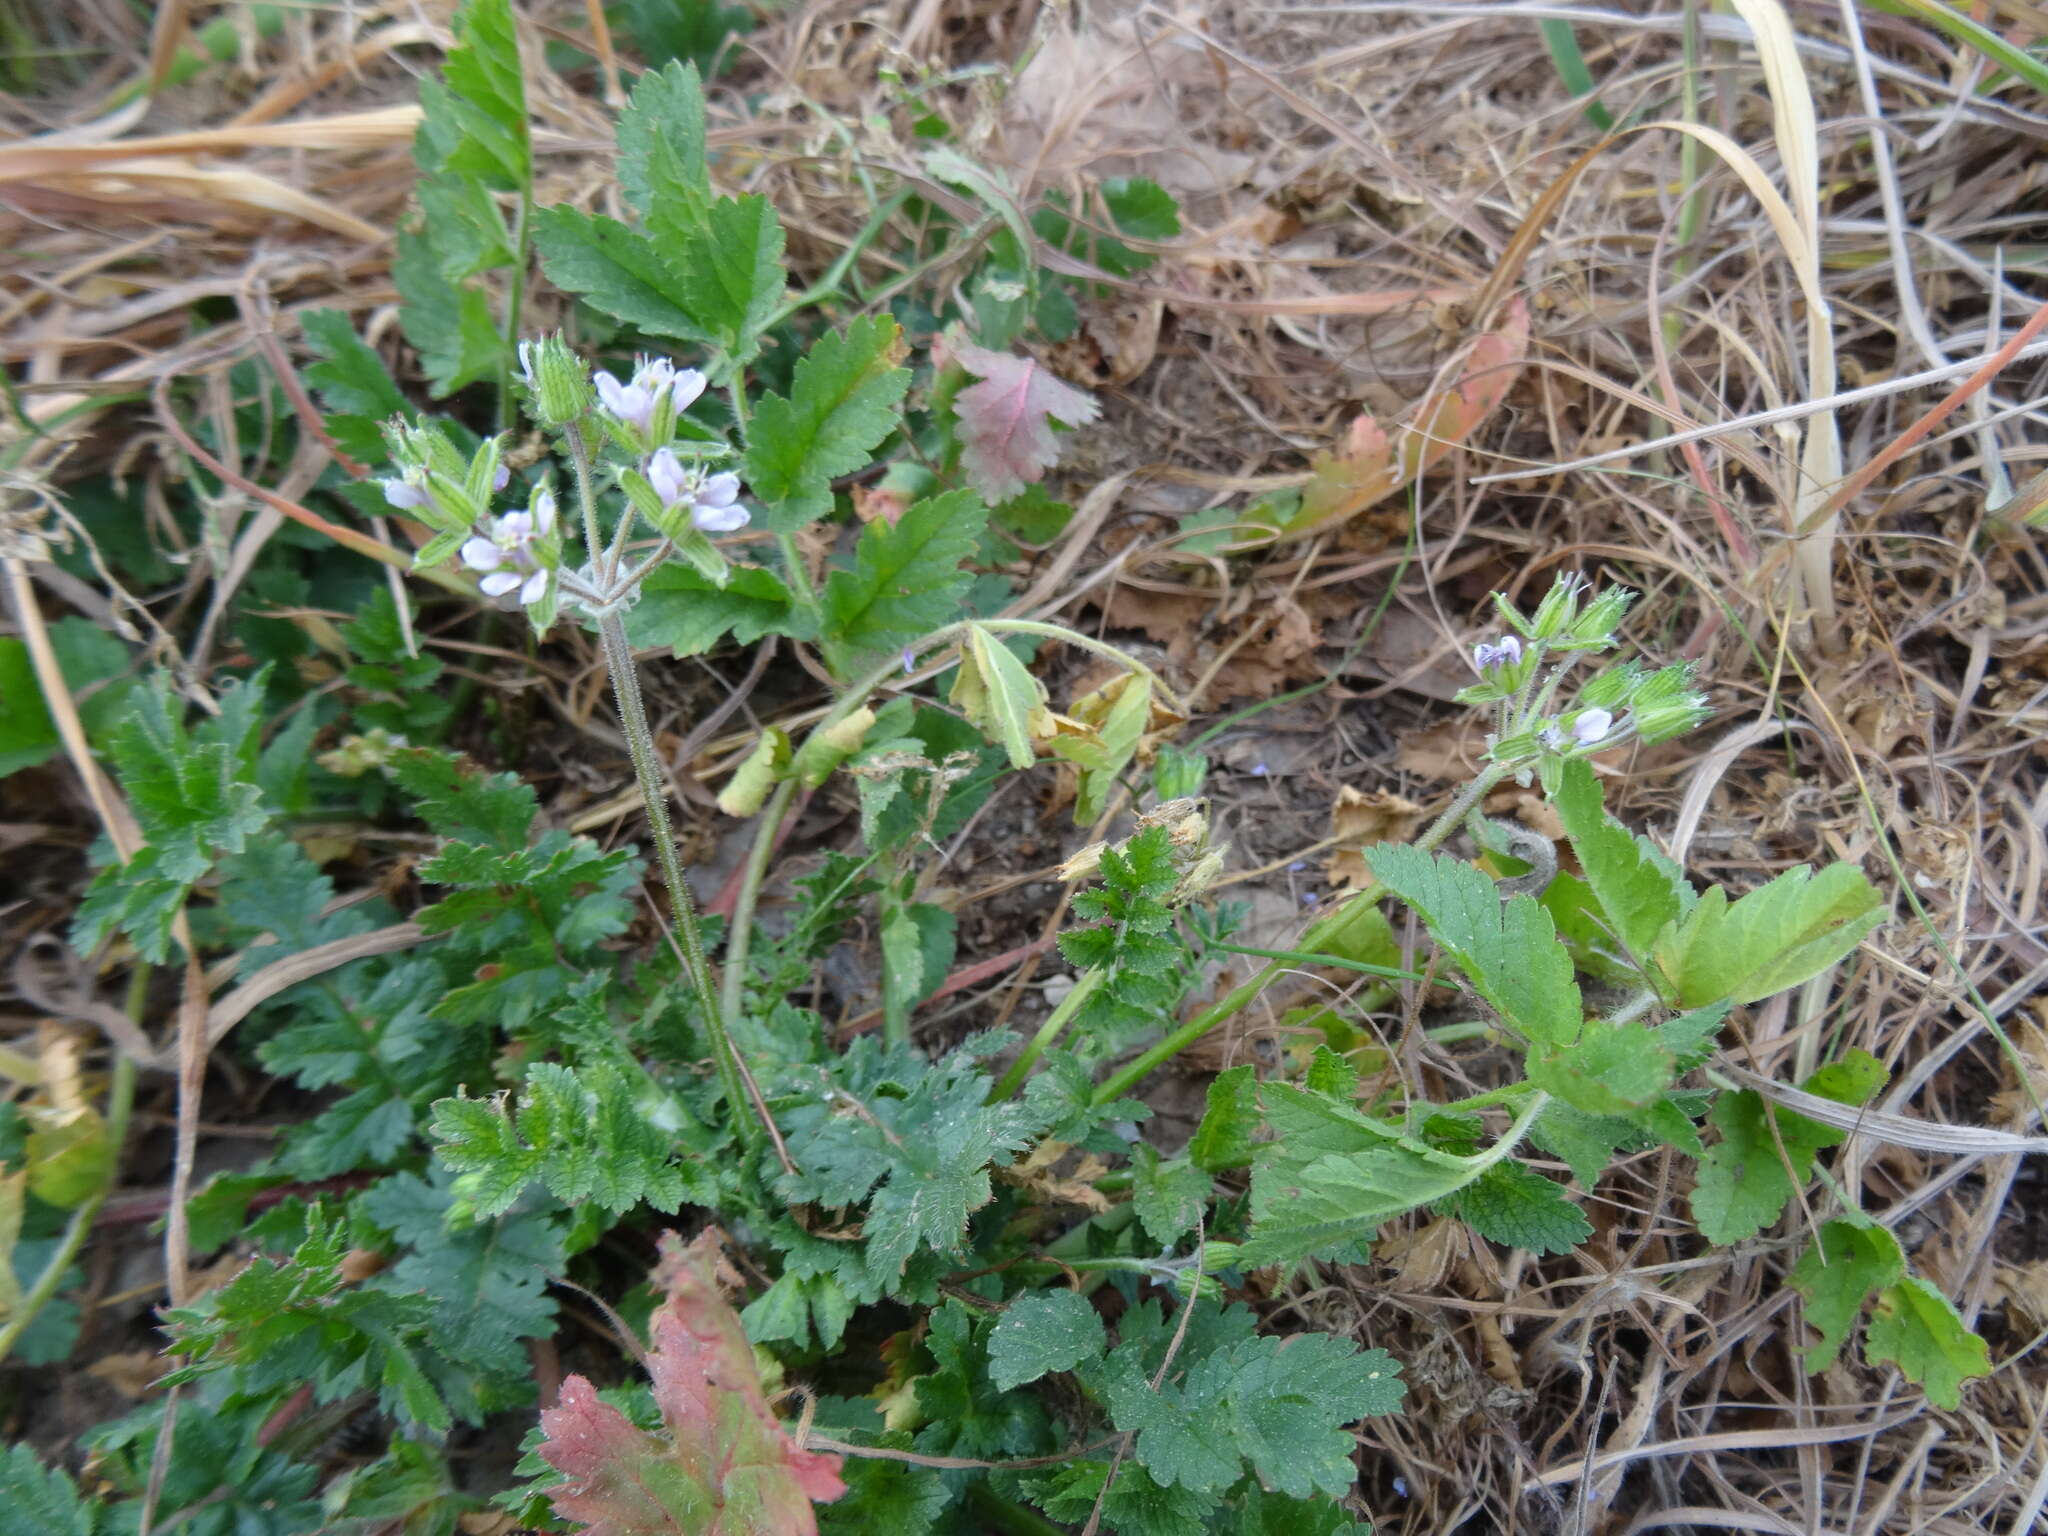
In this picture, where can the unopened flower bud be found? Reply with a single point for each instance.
(557, 381)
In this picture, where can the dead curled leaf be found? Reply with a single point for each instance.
(1370, 462)
(1361, 817)
(724, 1465)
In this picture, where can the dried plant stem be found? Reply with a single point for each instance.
(618, 653)
(1235, 1001)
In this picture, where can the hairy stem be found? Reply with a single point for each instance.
(618, 654)
(1121, 1081)
(515, 303)
(740, 933)
(1048, 1032)
(586, 496)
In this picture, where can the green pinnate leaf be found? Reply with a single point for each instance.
(965, 1414)
(464, 804)
(1332, 1175)
(193, 792)
(906, 580)
(1610, 1069)
(1278, 1405)
(581, 1134)
(1846, 1263)
(1745, 1180)
(277, 1325)
(1638, 887)
(731, 269)
(842, 402)
(621, 271)
(1519, 1208)
(352, 382)
(1508, 950)
(683, 611)
(1917, 1329)
(910, 1142)
(44, 1499)
(1224, 1138)
(474, 124)
(1169, 1194)
(1135, 1504)
(1773, 938)
(661, 146)
(1041, 1332)
(450, 323)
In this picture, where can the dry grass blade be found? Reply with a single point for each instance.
(1820, 456)
(282, 975)
(1880, 1125)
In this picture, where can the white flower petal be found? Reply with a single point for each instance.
(719, 519)
(720, 490)
(480, 554)
(403, 494)
(665, 473)
(688, 385)
(536, 587)
(498, 583)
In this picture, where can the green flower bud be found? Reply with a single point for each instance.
(1594, 629)
(557, 381)
(1560, 606)
(1611, 688)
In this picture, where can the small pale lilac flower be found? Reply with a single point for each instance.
(1588, 728)
(666, 474)
(407, 494)
(909, 661)
(1507, 653)
(637, 399)
(713, 501)
(1591, 726)
(505, 553)
(528, 351)
(502, 478)
(717, 508)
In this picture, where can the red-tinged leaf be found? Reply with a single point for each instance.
(725, 1467)
(1369, 465)
(1006, 438)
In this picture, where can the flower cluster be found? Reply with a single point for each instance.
(667, 476)
(508, 552)
(1522, 672)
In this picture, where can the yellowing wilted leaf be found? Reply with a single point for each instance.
(1370, 463)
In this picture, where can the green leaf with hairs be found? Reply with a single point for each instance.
(1847, 1262)
(1507, 950)
(907, 579)
(1639, 889)
(1917, 1329)
(842, 402)
(1772, 939)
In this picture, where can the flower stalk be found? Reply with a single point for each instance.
(618, 653)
